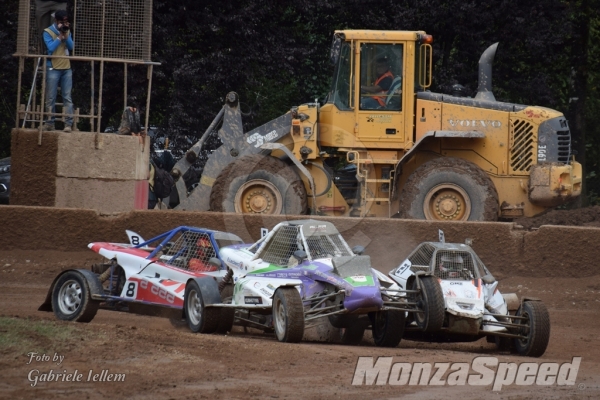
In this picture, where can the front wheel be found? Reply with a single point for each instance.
(536, 329)
(71, 298)
(200, 319)
(388, 327)
(430, 304)
(288, 315)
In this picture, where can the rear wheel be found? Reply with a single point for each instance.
(200, 319)
(288, 315)
(536, 329)
(258, 184)
(71, 298)
(449, 189)
(388, 327)
(430, 301)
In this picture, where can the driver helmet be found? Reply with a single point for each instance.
(203, 242)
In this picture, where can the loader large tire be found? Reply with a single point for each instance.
(449, 189)
(259, 184)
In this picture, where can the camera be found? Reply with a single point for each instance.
(65, 28)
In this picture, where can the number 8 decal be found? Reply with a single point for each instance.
(131, 289)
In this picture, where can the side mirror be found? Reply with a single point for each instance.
(488, 279)
(334, 55)
(215, 262)
(358, 250)
(300, 255)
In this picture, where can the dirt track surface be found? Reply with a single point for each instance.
(160, 361)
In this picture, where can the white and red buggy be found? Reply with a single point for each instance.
(472, 305)
(146, 276)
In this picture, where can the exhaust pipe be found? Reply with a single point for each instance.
(484, 90)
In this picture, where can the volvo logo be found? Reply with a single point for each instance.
(475, 123)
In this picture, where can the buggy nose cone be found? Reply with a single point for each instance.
(363, 297)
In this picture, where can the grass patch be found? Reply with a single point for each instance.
(26, 335)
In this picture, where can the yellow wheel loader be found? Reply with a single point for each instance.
(398, 150)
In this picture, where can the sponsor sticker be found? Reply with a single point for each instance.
(252, 300)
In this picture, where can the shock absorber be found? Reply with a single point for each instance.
(226, 279)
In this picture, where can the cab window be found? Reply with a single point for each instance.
(381, 76)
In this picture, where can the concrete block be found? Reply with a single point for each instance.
(103, 196)
(102, 156)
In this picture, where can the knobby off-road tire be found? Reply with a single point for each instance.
(227, 314)
(430, 300)
(71, 298)
(388, 327)
(288, 315)
(449, 189)
(259, 184)
(200, 319)
(538, 333)
(353, 334)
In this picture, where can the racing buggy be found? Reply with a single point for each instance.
(474, 307)
(143, 276)
(302, 271)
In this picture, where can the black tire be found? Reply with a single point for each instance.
(261, 185)
(388, 327)
(200, 319)
(71, 298)
(449, 189)
(352, 335)
(227, 314)
(537, 329)
(288, 315)
(504, 344)
(430, 301)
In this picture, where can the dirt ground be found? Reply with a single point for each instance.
(587, 216)
(162, 361)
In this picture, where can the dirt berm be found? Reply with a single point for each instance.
(506, 248)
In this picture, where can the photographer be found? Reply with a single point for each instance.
(44, 11)
(59, 42)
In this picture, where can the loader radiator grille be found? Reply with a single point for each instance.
(564, 145)
(521, 146)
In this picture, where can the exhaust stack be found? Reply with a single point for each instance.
(484, 90)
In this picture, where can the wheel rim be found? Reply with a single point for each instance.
(194, 308)
(525, 330)
(279, 316)
(447, 202)
(258, 197)
(69, 297)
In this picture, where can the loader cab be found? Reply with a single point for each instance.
(360, 116)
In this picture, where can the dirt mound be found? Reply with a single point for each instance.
(588, 216)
